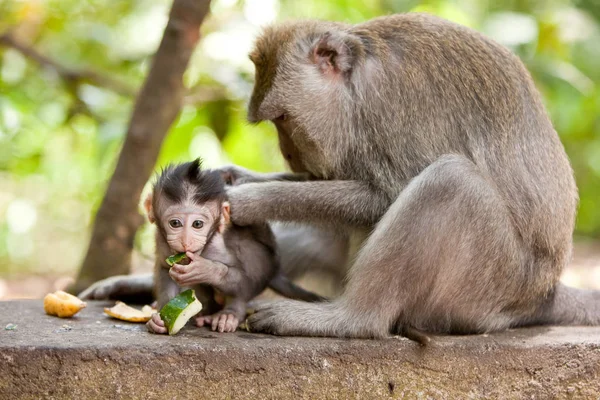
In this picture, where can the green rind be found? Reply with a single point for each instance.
(175, 258)
(176, 307)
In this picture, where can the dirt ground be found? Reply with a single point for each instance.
(583, 272)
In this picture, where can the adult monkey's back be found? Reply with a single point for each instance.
(435, 138)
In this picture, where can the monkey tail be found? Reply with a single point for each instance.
(283, 286)
(415, 335)
(569, 306)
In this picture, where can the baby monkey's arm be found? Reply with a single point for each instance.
(165, 290)
(225, 279)
(202, 271)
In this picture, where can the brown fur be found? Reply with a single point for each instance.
(430, 141)
(434, 138)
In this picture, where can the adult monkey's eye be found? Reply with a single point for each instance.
(197, 224)
(175, 223)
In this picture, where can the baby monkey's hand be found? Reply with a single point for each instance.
(198, 271)
(156, 324)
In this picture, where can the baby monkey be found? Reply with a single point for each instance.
(228, 265)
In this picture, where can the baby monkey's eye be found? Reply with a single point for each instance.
(197, 224)
(175, 223)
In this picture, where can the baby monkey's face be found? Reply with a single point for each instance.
(188, 226)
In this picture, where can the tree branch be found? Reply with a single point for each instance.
(68, 74)
(75, 77)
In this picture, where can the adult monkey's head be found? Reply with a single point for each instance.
(343, 95)
(303, 70)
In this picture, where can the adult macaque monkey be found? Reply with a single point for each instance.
(433, 138)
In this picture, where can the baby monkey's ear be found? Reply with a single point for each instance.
(225, 216)
(148, 208)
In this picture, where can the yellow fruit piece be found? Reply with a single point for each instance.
(62, 304)
(126, 313)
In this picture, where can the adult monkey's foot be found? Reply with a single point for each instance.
(297, 318)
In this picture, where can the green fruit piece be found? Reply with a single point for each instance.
(178, 311)
(174, 259)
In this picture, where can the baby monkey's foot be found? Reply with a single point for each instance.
(222, 321)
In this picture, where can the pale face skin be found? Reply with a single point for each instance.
(187, 226)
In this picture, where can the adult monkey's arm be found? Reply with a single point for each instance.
(350, 203)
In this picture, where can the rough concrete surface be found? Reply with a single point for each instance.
(92, 356)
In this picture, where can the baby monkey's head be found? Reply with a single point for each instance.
(188, 205)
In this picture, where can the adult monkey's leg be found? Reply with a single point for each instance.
(305, 248)
(435, 262)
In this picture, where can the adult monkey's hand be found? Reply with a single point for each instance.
(234, 175)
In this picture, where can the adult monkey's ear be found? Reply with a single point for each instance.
(148, 208)
(336, 53)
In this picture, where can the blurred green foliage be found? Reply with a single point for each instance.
(59, 140)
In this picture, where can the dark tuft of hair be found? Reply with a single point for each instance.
(194, 169)
(180, 181)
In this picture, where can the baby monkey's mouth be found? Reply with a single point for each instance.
(178, 258)
(184, 261)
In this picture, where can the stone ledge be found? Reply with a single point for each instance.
(99, 357)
